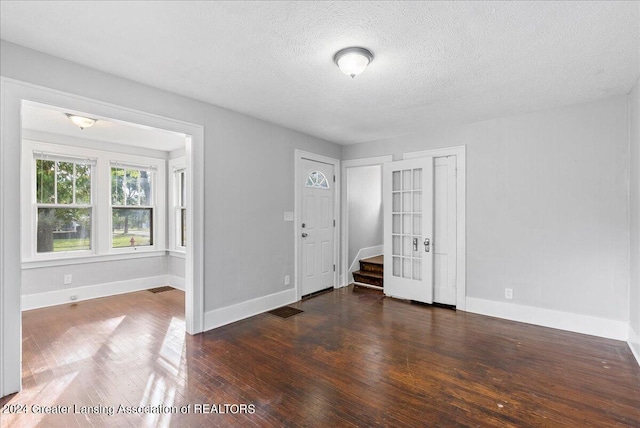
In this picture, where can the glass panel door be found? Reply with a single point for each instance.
(408, 198)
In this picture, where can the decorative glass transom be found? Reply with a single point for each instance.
(317, 180)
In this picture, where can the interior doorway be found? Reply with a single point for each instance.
(449, 273)
(14, 94)
(362, 217)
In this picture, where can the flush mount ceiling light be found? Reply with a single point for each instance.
(352, 61)
(81, 121)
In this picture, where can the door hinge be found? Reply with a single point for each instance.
(334, 178)
(334, 223)
(334, 268)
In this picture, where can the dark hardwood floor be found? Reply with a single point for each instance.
(352, 358)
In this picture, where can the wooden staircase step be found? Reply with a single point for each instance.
(368, 277)
(372, 264)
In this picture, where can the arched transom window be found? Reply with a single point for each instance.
(318, 180)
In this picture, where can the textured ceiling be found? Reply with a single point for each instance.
(436, 63)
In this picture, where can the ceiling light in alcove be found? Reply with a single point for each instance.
(81, 121)
(352, 61)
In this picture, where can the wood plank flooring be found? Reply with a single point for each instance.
(351, 359)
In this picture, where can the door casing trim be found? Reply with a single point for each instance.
(11, 96)
(299, 156)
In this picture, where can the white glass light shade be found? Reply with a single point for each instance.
(353, 61)
(81, 121)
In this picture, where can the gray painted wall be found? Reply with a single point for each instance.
(547, 205)
(634, 200)
(175, 266)
(364, 190)
(46, 279)
(248, 247)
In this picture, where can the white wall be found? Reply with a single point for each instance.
(248, 247)
(634, 200)
(547, 205)
(364, 190)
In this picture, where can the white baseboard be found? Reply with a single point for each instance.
(233, 313)
(175, 282)
(60, 297)
(585, 324)
(363, 253)
(634, 343)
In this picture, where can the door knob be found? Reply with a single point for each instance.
(304, 235)
(304, 225)
(427, 243)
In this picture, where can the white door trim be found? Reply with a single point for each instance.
(299, 155)
(344, 244)
(461, 168)
(12, 93)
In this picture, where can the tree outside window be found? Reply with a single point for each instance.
(64, 205)
(131, 207)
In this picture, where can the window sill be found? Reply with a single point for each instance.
(178, 253)
(36, 264)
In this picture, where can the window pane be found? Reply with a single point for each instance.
(145, 187)
(131, 190)
(397, 185)
(183, 190)
(406, 179)
(131, 187)
(183, 227)
(132, 227)
(45, 179)
(417, 178)
(117, 185)
(65, 182)
(318, 180)
(63, 229)
(83, 184)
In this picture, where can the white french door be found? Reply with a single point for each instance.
(408, 229)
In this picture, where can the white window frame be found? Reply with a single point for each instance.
(101, 232)
(176, 166)
(36, 155)
(156, 176)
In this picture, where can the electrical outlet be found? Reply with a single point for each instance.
(73, 297)
(508, 293)
(287, 280)
(67, 279)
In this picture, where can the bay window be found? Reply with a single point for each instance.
(80, 202)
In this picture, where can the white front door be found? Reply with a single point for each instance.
(317, 226)
(408, 229)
